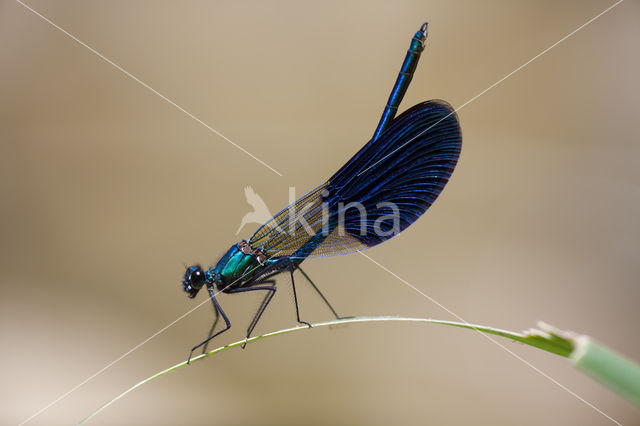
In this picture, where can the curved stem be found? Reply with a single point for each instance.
(557, 346)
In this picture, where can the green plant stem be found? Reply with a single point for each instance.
(535, 341)
(612, 370)
(607, 367)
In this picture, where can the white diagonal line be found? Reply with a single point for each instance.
(128, 74)
(491, 339)
(495, 84)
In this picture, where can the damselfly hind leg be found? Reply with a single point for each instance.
(320, 294)
(295, 298)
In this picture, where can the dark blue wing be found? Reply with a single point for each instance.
(384, 188)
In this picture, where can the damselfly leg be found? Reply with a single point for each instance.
(271, 289)
(218, 308)
(320, 294)
(213, 327)
(295, 298)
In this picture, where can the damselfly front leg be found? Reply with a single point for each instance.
(213, 327)
(218, 308)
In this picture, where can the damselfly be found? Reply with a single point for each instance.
(378, 193)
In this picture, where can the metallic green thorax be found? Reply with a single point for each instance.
(237, 267)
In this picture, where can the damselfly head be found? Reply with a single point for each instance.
(194, 279)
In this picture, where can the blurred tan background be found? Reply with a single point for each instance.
(108, 191)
